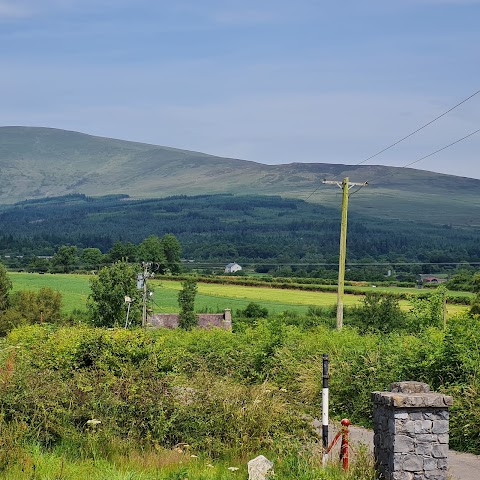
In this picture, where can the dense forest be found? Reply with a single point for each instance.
(257, 230)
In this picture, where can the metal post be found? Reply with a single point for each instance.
(344, 445)
(146, 265)
(128, 310)
(444, 309)
(325, 409)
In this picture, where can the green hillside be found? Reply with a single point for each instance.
(39, 162)
(220, 228)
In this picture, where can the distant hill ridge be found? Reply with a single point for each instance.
(37, 162)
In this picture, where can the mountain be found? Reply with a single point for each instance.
(40, 162)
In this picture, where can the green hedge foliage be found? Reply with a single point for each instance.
(219, 390)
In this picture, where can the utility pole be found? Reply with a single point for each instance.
(345, 186)
(142, 284)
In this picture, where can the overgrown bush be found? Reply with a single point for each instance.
(39, 306)
(187, 318)
(110, 290)
(62, 378)
(220, 390)
(379, 313)
(253, 310)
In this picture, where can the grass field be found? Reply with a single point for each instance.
(74, 288)
(210, 297)
(218, 297)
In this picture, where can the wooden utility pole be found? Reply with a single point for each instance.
(345, 186)
(146, 275)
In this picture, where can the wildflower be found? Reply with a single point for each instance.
(209, 465)
(193, 456)
(94, 422)
(233, 469)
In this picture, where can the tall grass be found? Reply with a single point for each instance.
(36, 463)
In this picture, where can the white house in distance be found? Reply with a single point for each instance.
(232, 267)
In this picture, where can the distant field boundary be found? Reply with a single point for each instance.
(311, 287)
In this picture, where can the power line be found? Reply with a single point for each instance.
(349, 264)
(418, 129)
(408, 136)
(430, 154)
(453, 143)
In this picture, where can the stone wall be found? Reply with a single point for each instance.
(411, 432)
(205, 320)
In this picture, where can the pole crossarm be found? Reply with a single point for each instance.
(340, 184)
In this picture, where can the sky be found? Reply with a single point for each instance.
(273, 81)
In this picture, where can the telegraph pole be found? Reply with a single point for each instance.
(142, 284)
(345, 186)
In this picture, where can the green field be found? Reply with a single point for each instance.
(215, 297)
(74, 288)
(210, 297)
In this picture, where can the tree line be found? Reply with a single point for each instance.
(163, 252)
(221, 228)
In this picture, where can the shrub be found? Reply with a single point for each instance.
(187, 318)
(10, 319)
(253, 310)
(379, 313)
(5, 287)
(106, 302)
(35, 307)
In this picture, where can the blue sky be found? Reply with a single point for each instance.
(270, 81)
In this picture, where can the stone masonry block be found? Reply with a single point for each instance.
(402, 476)
(440, 451)
(410, 387)
(442, 463)
(423, 426)
(409, 426)
(440, 426)
(403, 444)
(429, 464)
(426, 437)
(443, 438)
(412, 463)
(416, 416)
(424, 449)
(434, 476)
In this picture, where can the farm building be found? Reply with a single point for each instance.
(431, 279)
(232, 267)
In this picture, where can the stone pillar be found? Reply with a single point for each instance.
(411, 432)
(227, 319)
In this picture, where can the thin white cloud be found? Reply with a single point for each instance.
(244, 17)
(244, 13)
(9, 10)
(447, 2)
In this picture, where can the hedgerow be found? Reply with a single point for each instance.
(220, 391)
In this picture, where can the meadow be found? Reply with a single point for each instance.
(75, 289)
(212, 298)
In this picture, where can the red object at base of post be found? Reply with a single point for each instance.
(344, 446)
